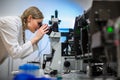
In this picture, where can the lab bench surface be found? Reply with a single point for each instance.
(81, 76)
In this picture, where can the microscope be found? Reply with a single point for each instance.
(53, 61)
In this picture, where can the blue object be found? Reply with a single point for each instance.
(23, 76)
(43, 78)
(26, 74)
(28, 67)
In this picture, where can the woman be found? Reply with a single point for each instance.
(12, 31)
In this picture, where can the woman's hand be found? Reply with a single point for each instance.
(40, 33)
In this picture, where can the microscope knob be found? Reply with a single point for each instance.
(67, 64)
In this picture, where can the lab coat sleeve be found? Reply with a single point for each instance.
(10, 40)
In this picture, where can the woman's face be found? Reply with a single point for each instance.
(33, 24)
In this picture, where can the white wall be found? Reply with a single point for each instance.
(67, 9)
(85, 4)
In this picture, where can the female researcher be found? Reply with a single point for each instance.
(12, 28)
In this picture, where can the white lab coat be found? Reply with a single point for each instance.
(11, 39)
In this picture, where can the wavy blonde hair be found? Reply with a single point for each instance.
(36, 14)
(34, 11)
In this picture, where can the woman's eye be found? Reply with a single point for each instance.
(40, 24)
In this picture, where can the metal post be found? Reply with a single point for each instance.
(117, 39)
